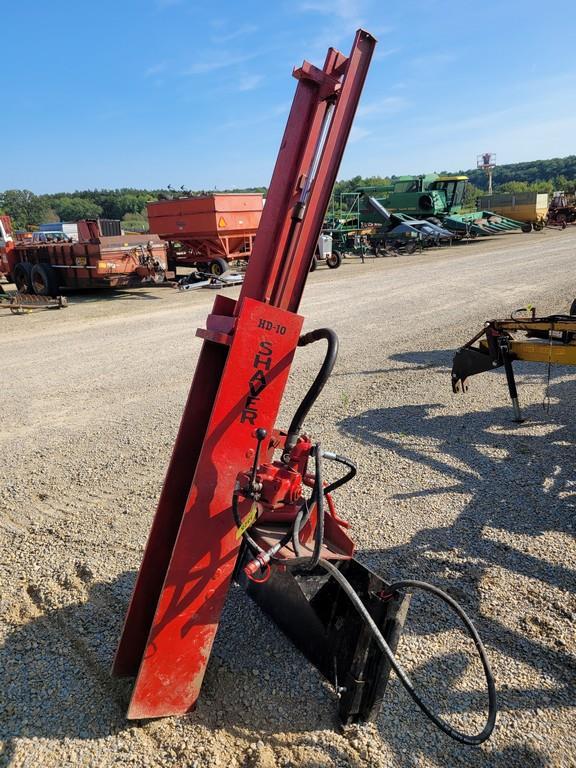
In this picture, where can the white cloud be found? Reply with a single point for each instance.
(242, 31)
(344, 16)
(540, 124)
(156, 69)
(254, 119)
(432, 60)
(358, 133)
(342, 9)
(390, 105)
(383, 53)
(217, 61)
(250, 82)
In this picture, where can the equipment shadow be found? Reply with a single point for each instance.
(55, 663)
(514, 490)
(415, 361)
(56, 684)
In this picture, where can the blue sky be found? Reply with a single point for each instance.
(147, 93)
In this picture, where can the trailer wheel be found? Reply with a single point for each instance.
(314, 264)
(217, 267)
(334, 260)
(21, 277)
(538, 226)
(44, 281)
(527, 227)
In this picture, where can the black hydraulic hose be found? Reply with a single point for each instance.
(319, 533)
(304, 511)
(300, 520)
(346, 478)
(317, 385)
(310, 563)
(463, 738)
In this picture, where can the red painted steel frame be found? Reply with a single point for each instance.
(238, 386)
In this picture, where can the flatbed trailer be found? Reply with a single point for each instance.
(99, 261)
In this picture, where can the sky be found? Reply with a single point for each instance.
(146, 93)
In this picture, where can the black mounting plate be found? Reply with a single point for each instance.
(313, 610)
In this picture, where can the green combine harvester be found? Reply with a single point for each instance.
(439, 200)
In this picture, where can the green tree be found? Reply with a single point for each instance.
(471, 194)
(514, 186)
(76, 208)
(24, 207)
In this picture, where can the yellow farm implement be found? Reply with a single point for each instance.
(550, 340)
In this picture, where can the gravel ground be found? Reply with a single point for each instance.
(449, 490)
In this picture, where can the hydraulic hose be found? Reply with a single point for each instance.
(304, 511)
(299, 521)
(317, 385)
(346, 478)
(319, 533)
(463, 738)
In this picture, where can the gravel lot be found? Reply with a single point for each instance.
(449, 490)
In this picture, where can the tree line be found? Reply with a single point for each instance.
(28, 210)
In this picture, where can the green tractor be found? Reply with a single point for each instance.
(438, 199)
(424, 197)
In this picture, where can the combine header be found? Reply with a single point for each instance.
(235, 502)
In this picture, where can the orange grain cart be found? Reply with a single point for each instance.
(207, 232)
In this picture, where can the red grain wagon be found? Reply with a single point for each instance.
(207, 231)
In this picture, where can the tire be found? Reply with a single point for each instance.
(314, 264)
(217, 267)
(526, 227)
(538, 226)
(21, 277)
(43, 280)
(334, 260)
(573, 308)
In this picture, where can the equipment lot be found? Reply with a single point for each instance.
(448, 490)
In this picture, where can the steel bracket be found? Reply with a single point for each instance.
(315, 613)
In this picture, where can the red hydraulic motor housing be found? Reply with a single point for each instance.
(243, 499)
